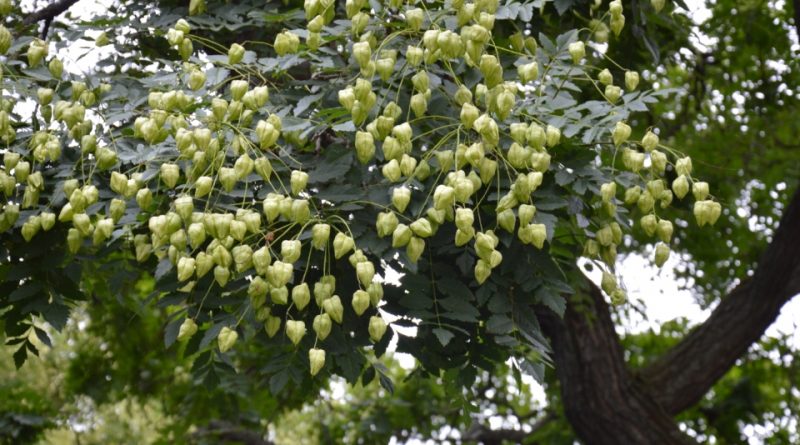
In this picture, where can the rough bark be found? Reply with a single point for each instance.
(601, 400)
(681, 377)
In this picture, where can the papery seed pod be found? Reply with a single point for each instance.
(322, 326)
(577, 50)
(187, 329)
(360, 302)
(631, 80)
(613, 93)
(333, 307)
(605, 77)
(279, 295)
(528, 72)
(226, 339)
(661, 254)
(316, 360)
(342, 244)
(286, 42)
(391, 171)
(235, 54)
(700, 190)
(621, 133)
(301, 296)
(415, 248)
(377, 328)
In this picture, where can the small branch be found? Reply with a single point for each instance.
(225, 432)
(49, 12)
(482, 434)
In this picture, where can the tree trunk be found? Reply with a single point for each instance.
(601, 400)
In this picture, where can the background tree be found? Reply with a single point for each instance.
(475, 327)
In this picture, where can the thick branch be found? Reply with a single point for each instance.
(681, 377)
(49, 12)
(604, 404)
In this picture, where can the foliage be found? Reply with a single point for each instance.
(247, 179)
(152, 108)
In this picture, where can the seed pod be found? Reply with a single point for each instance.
(631, 80)
(414, 55)
(683, 166)
(613, 93)
(491, 69)
(553, 136)
(616, 24)
(419, 105)
(469, 114)
(621, 133)
(536, 136)
(577, 50)
(528, 72)
(649, 224)
(605, 77)
(680, 186)
(316, 360)
(608, 191)
(377, 328)
(408, 165)
(257, 290)
(187, 330)
(401, 196)
(538, 235)
(333, 307)
(391, 171)
(422, 228)
(658, 162)
(360, 301)
(415, 248)
(221, 275)
(662, 254)
(482, 271)
(226, 339)
(301, 296)
(365, 271)
(186, 268)
(279, 295)
(235, 54)
(700, 190)
(286, 43)
(657, 5)
(650, 141)
(170, 174)
(298, 181)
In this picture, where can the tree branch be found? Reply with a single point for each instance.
(225, 432)
(49, 12)
(482, 434)
(680, 378)
(602, 402)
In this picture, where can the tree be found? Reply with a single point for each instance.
(446, 141)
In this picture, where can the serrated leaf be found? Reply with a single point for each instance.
(20, 356)
(499, 324)
(42, 336)
(458, 309)
(443, 335)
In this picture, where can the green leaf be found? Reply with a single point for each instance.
(443, 335)
(499, 324)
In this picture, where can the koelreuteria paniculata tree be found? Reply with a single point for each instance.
(269, 186)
